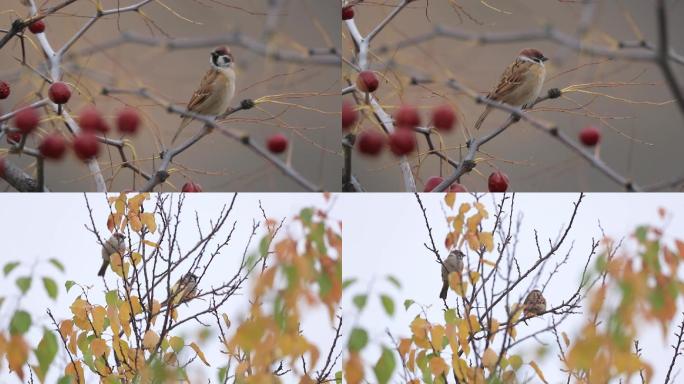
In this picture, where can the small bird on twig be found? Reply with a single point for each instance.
(115, 244)
(521, 82)
(216, 89)
(453, 263)
(535, 304)
(184, 290)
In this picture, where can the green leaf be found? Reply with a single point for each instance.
(641, 233)
(358, 339)
(338, 377)
(65, 380)
(112, 298)
(24, 283)
(68, 284)
(57, 264)
(46, 352)
(263, 245)
(385, 366)
(50, 287)
(387, 304)
(394, 281)
(324, 284)
(348, 282)
(222, 373)
(450, 316)
(9, 267)
(306, 215)
(20, 323)
(408, 303)
(360, 301)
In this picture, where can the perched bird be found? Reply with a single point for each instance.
(535, 304)
(521, 82)
(453, 263)
(184, 290)
(216, 89)
(115, 244)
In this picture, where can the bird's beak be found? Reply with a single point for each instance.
(544, 58)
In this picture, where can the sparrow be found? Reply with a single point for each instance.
(453, 263)
(521, 82)
(216, 89)
(115, 244)
(184, 290)
(535, 304)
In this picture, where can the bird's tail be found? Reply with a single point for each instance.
(443, 292)
(103, 268)
(483, 116)
(183, 124)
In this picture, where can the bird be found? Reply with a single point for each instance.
(535, 304)
(115, 244)
(453, 263)
(184, 290)
(216, 90)
(521, 82)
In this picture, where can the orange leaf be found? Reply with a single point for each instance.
(539, 371)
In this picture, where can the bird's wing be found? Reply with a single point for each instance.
(511, 78)
(204, 90)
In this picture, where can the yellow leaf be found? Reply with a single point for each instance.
(437, 337)
(98, 346)
(17, 354)
(99, 314)
(449, 199)
(474, 277)
(493, 329)
(474, 323)
(136, 258)
(404, 346)
(457, 284)
(176, 343)
(147, 218)
(353, 369)
(151, 244)
(75, 370)
(200, 354)
(488, 262)
(539, 371)
(487, 240)
(151, 339)
(438, 366)
(489, 359)
(135, 303)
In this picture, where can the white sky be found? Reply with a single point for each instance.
(39, 227)
(384, 234)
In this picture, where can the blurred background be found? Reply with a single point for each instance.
(641, 130)
(305, 111)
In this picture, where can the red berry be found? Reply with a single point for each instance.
(91, 120)
(402, 142)
(455, 187)
(498, 182)
(370, 142)
(407, 117)
(4, 90)
(53, 146)
(349, 115)
(277, 143)
(128, 121)
(14, 137)
(59, 93)
(26, 120)
(347, 12)
(443, 118)
(86, 146)
(37, 26)
(432, 182)
(590, 136)
(367, 81)
(191, 186)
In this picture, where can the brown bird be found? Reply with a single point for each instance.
(521, 82)
(115, 244)
(216, 89)
(535, 304)
(453, 263)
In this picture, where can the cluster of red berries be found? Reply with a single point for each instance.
(85, 144)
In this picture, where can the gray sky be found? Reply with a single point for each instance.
(385, 233)
(40, 227)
